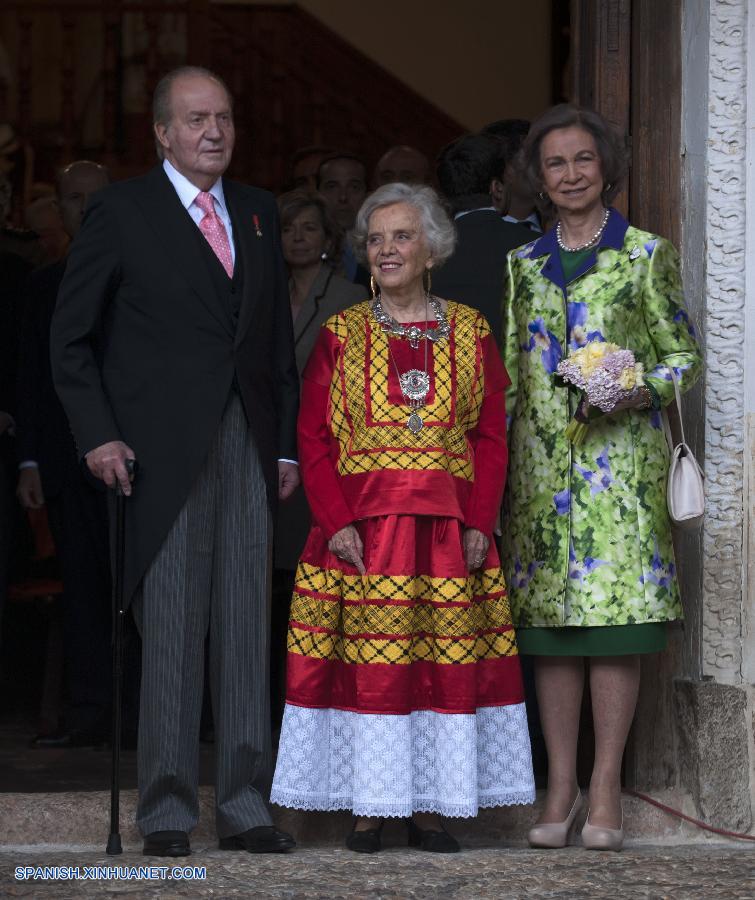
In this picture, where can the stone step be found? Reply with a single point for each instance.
(81, 819)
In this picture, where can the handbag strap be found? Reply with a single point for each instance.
(678, 399)
(666, 425)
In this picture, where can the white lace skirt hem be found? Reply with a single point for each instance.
(394, 765)
(400, 810)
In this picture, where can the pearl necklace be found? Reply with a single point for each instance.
(593, 240)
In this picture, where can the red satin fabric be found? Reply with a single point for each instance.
(405, 546)
(398, 690)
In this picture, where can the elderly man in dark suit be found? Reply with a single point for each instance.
(172, 344)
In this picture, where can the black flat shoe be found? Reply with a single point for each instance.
(367, 841)
(431, 840)
(262, 839)
(167, 843)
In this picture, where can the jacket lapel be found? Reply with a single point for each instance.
(249, 246)
(177, 233)
(547, 245)
(313, 305)
(552, 269)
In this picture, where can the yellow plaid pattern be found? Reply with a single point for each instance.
(418, 588)
(400, 651)
(371, 430)
(362, 626)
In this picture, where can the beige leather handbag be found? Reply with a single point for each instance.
(685, 493)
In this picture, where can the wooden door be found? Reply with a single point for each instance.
(626, 64)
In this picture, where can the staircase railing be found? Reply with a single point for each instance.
(80, 75)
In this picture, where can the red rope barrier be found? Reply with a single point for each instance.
(681, 815)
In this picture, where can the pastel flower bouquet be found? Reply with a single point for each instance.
(606, 374)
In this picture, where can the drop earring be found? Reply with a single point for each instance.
(373, 287)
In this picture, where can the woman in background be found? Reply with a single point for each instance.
(311, 243)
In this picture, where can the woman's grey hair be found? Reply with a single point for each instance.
(437, 227)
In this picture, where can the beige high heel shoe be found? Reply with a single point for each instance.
(595, 837)
(554, 835)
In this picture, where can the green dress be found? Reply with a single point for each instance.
(587, 539)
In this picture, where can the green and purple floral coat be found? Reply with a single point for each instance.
(586, 532)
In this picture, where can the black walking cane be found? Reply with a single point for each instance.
(114, 840)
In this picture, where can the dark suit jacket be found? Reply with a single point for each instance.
(13, 274)
(328, 295)
(145, 350)
(475, 274)
(43, 433)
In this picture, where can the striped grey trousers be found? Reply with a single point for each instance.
(213, 571)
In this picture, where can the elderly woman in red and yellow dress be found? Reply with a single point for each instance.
(404, 693)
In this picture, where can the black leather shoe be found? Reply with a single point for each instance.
(367, 841)
(431, 840)
(262, 839)
(167, 843)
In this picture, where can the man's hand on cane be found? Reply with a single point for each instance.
(108, 463)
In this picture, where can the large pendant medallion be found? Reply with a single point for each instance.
(415, 423)
(415, 386)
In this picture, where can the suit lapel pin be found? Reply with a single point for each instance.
(634, 253)
(256, 220)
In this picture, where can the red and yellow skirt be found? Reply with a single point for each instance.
(404, 691)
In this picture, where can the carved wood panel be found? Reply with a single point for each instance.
(601, 35)
(656, 117)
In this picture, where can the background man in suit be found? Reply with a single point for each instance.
(475, 273)
(402, 163)
(511, 194)
(49, 472)
(181, 273)
(342, 180)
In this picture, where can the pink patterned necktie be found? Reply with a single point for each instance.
(213, 229)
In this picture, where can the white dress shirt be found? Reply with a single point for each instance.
(532, 219)
(187, 194)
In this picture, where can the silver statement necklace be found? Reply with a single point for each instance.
(414, 384)
(412, 333)
(593, 240)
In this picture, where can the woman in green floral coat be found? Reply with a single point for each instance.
(587, 539)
